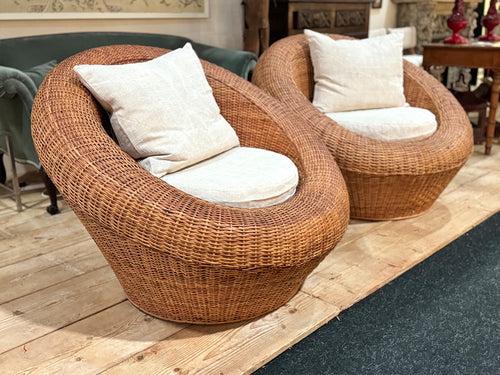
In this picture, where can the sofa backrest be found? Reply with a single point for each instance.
(25, 52)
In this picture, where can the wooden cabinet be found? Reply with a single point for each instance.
(346, 17)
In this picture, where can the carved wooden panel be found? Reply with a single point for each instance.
(346, 18)
(313, 19)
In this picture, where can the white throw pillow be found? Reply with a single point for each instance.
(389, 124)
(162, 111)
(357, 74)
(409, 35)
(241, 177)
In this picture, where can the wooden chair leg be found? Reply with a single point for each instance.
(51, 191)
(16, 191)
(3, 172)
(482, 123)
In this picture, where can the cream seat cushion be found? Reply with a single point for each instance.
(162, 111)
(417, 60)
(389, 124)
(240, 177)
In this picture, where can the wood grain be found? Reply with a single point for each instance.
(91, 345)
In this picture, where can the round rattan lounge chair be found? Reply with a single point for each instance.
(385, 180)
(178, 257)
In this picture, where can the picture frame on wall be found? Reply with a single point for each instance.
(102, 9)
(377, 4)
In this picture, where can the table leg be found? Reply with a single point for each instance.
(490, 130)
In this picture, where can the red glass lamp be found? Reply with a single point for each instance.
(490, 21)
(457, 22)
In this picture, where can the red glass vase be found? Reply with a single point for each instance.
(457, 22)
(490, 21)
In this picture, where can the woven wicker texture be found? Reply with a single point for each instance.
(385, 180)
(178, 257)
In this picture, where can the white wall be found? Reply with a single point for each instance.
(383, 17)
(223, 28)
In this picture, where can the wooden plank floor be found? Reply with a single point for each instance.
(63, 312)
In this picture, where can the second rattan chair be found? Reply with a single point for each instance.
(386, 180)
(178, 257)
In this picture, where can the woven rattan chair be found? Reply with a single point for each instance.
(178, 257)
(386, 180)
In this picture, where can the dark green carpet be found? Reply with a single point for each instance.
(441, 317)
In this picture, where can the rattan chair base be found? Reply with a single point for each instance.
(409, 196)
(231, 305)
(390, 216)
(175, 290)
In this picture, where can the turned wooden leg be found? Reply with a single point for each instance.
(490, 130)
(3, 173)
(16, 191)
(51, 191)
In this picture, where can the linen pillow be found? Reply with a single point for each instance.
(357, 74)
(162, 111)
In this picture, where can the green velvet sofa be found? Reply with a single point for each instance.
(25, 61)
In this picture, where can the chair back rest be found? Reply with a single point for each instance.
(302, 69)
(409, 36)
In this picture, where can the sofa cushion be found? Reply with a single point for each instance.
(241, 177)
(389, 124)
(162, 111)
(39, 72)
(356, 74)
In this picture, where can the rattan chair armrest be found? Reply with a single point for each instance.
(260, 120)
(424, 91)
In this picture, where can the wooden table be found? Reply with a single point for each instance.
(470, 55)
